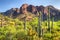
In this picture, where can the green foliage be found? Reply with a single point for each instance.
(13, 29)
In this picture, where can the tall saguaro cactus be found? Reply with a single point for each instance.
(48, 19)
(25, 22)
(52, 20)
(25, 25)
(40, 24)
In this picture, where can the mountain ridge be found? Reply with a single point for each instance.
(25, 9)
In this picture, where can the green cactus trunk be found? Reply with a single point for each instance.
(40, 24)
(25, 25)
(52, 25)
(48, 19)
(25, 22)
(52, 22)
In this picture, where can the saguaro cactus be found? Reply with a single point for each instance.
(40, 24)
(25, 25)
(48, 19)
(52, 20)
(25, 22)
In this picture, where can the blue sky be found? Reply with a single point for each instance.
(8, 4)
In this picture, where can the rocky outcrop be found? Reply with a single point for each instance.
(32, 9)
(13, 12)
(26, 9)
(23, 8)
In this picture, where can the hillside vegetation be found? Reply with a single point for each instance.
(35, 29)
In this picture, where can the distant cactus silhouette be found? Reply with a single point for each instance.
(48, 19)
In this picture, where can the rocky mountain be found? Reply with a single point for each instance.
(26, 9)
